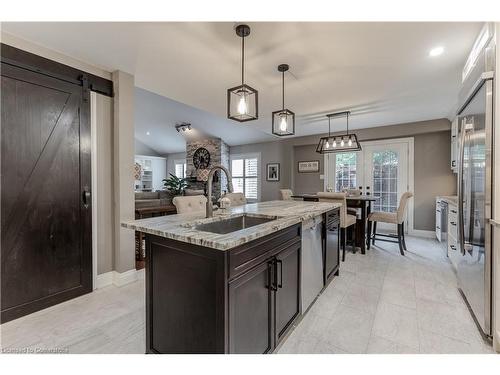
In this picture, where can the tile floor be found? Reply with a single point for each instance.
(385, 303)
(109, 320)
(381, 303)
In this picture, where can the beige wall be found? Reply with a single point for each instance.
(270, 152)
(123, 162)
(309, 182)
(433, 176)
(103, 196)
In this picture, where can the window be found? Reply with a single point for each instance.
(245, 175)
(385, 180)
(180, 168)
(345, 171)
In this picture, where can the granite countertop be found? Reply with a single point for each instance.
(453, 199)
(180, 227)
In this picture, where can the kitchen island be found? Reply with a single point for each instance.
(232, 283)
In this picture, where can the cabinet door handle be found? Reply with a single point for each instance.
(280, 262)
(86, 197)
(453, 247)
(453, 223)
(271, 275)
(453, 211)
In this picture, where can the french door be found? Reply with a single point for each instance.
(382, 169)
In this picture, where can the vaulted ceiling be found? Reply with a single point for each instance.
(382, 72)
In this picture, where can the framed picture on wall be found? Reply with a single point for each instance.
(311, 166)
(273, 172)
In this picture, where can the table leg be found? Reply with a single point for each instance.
(368, 230)
(363, 221)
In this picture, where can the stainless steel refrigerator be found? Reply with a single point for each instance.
(475, 116)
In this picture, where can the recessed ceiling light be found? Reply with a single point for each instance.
(436, 51)
(148, 133)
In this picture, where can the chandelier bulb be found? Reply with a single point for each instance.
(283, 124)
(242, 105)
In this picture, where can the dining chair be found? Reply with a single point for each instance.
(352, 193)
(237, 199)
(346, 220)
(286, 194)
(397, 218)
(190, 204)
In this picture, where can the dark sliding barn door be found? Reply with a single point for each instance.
(45, 173)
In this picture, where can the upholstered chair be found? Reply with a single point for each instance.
(286, 194)
(190, 204)
(346, 220)
(237, 199)
(352, 193)
(396, 218)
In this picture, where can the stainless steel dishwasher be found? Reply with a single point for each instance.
(311, 262)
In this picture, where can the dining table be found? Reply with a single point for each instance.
(363, 203)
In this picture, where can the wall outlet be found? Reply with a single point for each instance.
(321, 176)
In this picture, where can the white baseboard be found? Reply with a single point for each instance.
(423, 233)
(141, 274)
(496, 341)
(104, 279)
(118, 279)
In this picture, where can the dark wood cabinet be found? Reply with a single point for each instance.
(201, 300)
(251, 311)
(331, 248)
(288, 289)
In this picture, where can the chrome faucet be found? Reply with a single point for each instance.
(209, 188)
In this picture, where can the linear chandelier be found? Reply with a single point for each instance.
(338, 143)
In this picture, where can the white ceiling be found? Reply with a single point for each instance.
(157, 115)
(382, 72)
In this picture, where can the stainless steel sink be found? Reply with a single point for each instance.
(234, 224)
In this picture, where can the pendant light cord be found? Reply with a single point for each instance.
(283, 91)
(242, 60)
(347, 116)
(328, 126)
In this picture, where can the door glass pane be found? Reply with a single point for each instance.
(345, 171)
(385, 178)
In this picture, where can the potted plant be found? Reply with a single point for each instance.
(175, 185)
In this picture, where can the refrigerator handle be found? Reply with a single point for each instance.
(461, 239)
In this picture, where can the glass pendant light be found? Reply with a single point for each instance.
(283, 122)
(339, 143)
(242, 100)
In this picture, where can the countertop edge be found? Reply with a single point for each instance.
(224, 245)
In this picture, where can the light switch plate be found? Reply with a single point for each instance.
(321, 176)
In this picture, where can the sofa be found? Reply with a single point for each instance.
(157, 198)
